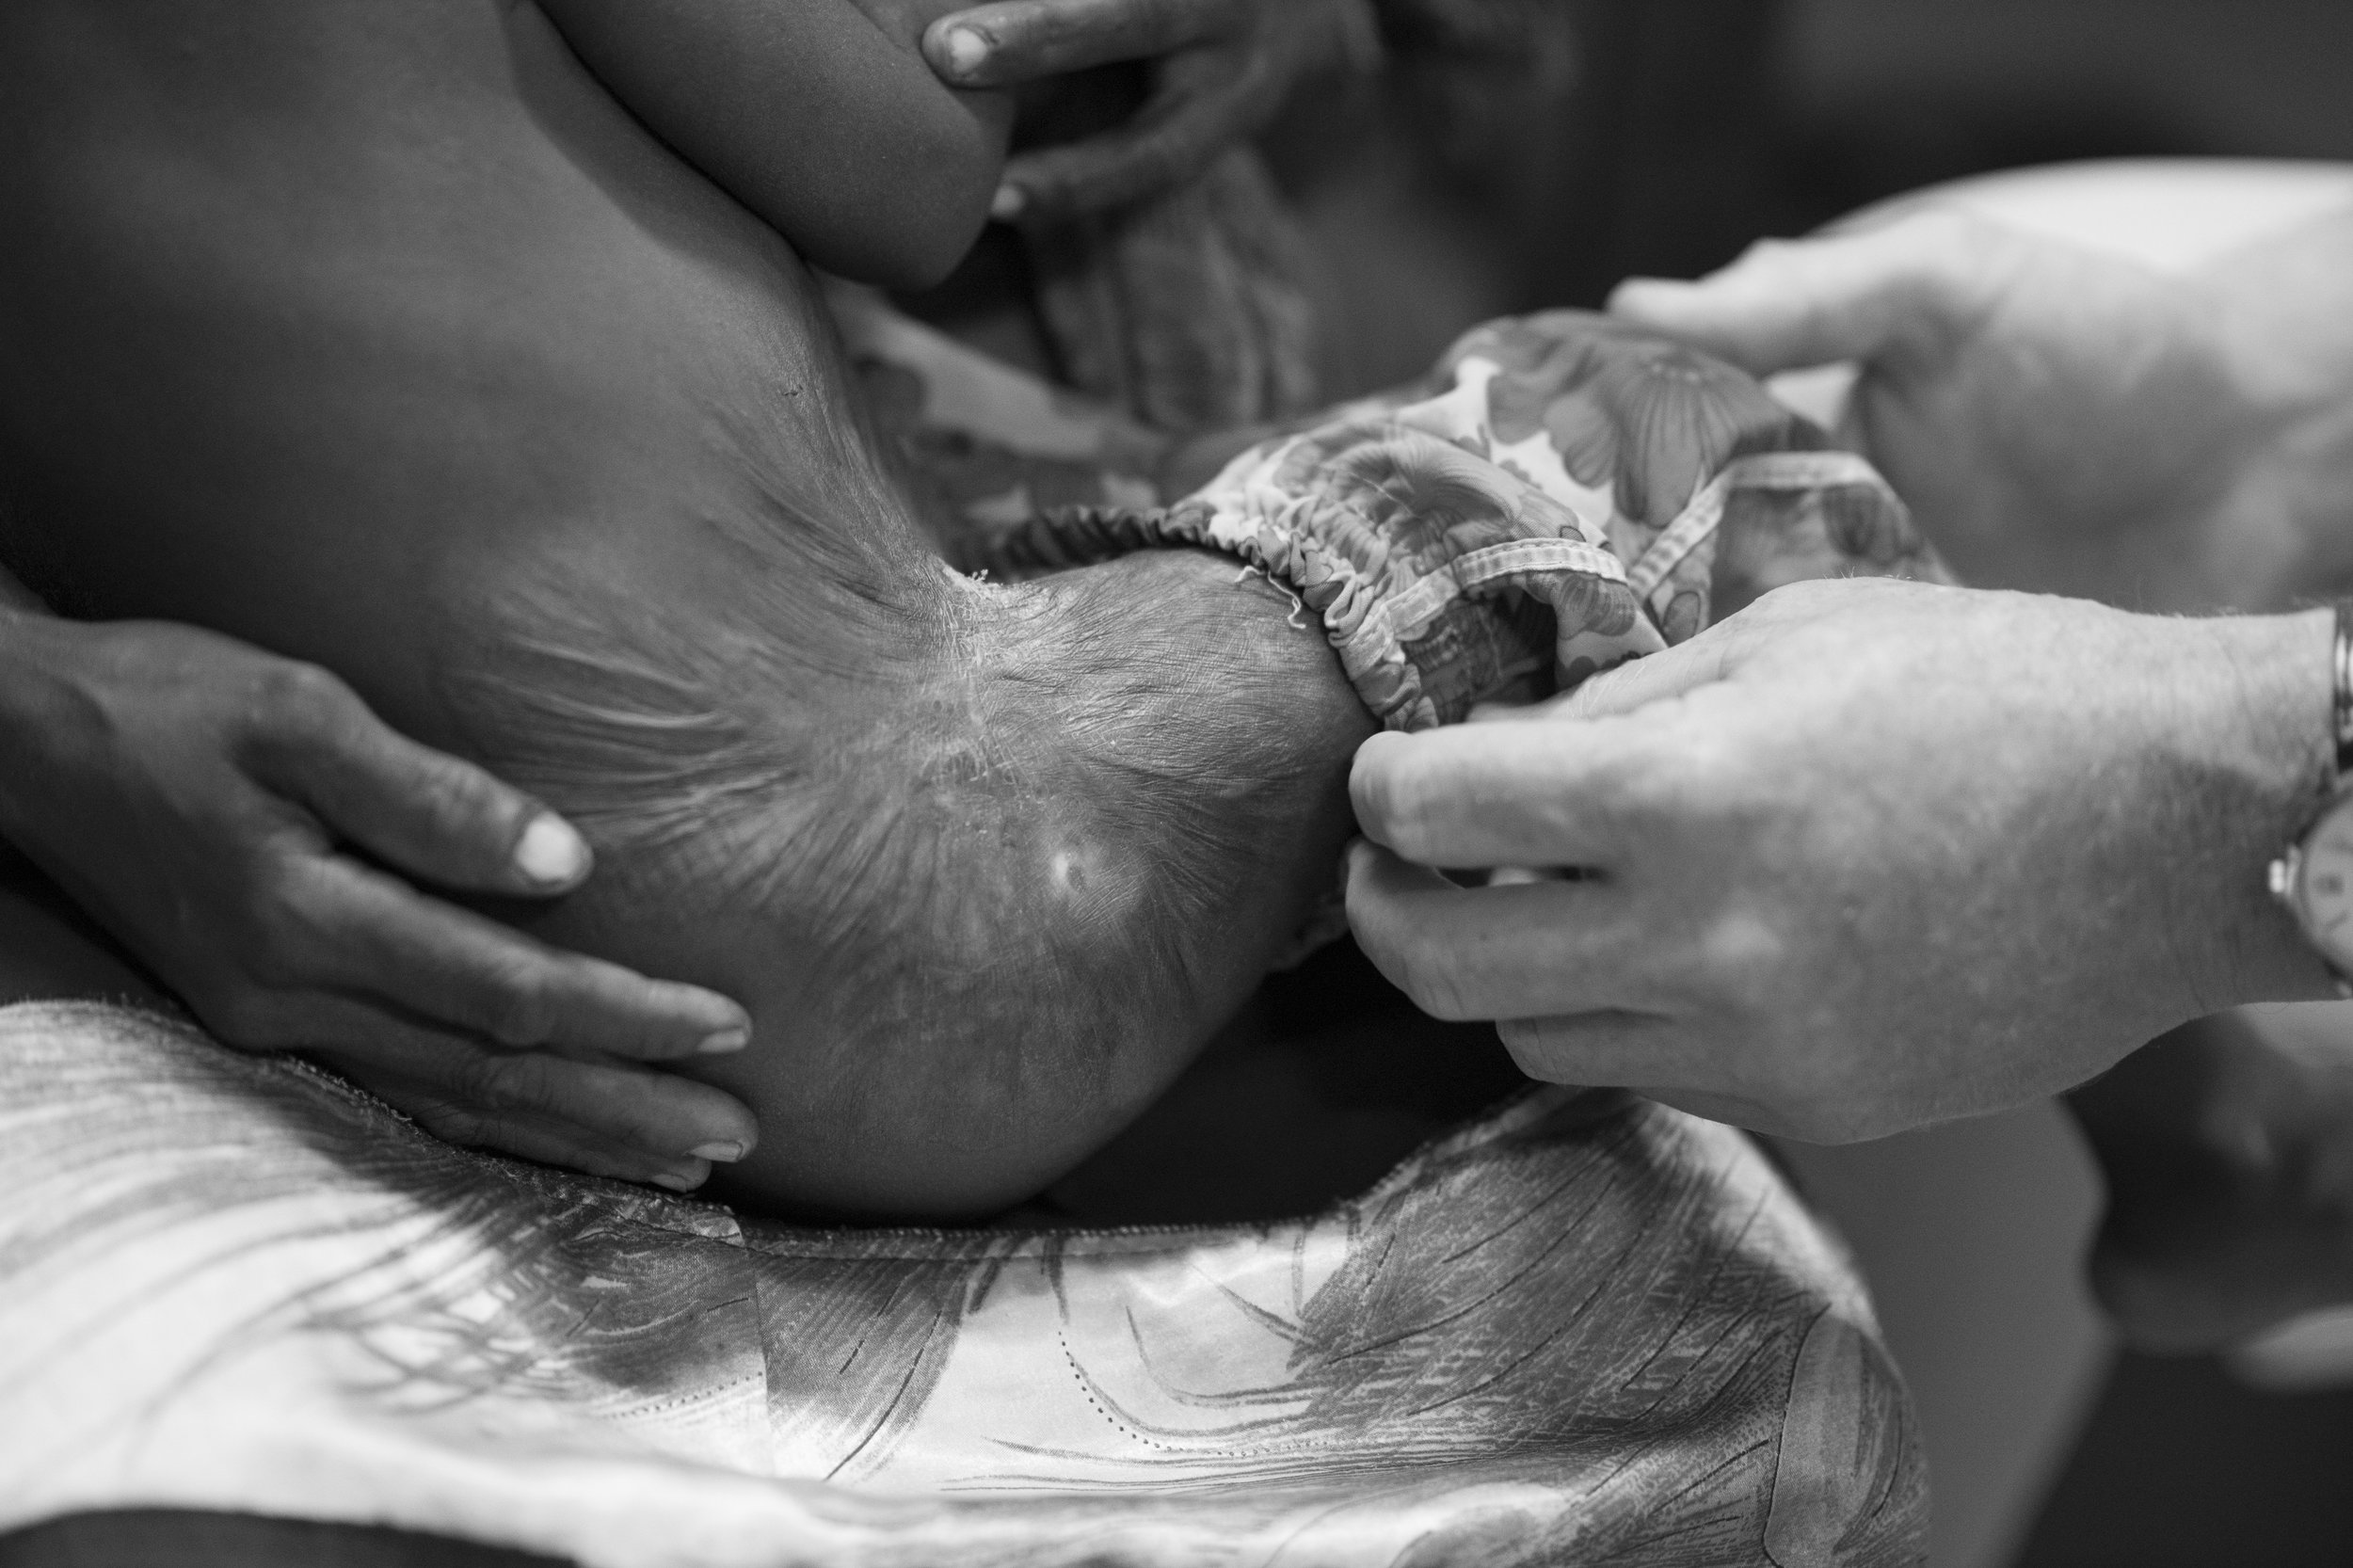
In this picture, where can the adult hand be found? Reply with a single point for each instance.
(2065, 421)
(244, 824)
(1220, 69)
(1866, 856)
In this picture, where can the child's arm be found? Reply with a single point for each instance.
(820, 116)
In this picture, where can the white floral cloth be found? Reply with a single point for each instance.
(1585, 1329)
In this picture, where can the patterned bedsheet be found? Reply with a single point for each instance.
(1585, 1329)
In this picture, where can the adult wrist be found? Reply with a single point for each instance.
(2273, 710)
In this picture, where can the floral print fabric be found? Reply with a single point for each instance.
(1562, 494)
(1584, 1329)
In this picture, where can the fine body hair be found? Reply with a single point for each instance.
(1012, 852)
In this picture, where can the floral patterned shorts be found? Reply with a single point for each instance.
(1562, 493)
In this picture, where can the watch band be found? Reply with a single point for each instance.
(2341, 673)
(2289, 870)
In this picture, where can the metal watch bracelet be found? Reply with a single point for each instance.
(2341, 677)
(2289, 871)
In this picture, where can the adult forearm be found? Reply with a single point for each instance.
(2262, 766)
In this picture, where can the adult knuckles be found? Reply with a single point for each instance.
(455, 1124)
(1774, 258)
(1406, 956)
(1747, 958)
(520, 1009)
(1399, 797)
(1797, 603)
(1678, 799)
(524, 1081)
(286, 924)
(298, 700)
(1434, 977)
(1537, 1051)
(1941, 248)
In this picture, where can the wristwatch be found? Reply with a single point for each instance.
(2314, 877)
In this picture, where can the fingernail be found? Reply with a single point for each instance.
(719, 1154)
(1007, 204)
(966, 49)
(680, 1181)
(550, 853)
(724, 1042)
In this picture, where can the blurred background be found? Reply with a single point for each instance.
(1693, 126)
(1688, 129)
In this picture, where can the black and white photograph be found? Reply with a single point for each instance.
(1176, 784)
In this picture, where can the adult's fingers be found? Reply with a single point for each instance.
(1672, 672)
(1511, 952)
(368, 933)
(1656, 677)
(1022, 40)
(640, 1117)
(1171, 139)
(1664, 1060)
(1790, 305)
(1567, 792)
(1620, 1048)
(430, 814)
(526, 1137)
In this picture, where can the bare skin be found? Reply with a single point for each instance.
(1220, 71)
(2068, 420)
(822, 118)
(2133, 383)
(1866, 856)
(264, 844)
(429, 329)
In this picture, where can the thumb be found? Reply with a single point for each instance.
(1792, 305)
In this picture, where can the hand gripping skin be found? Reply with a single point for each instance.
(1561, 494)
